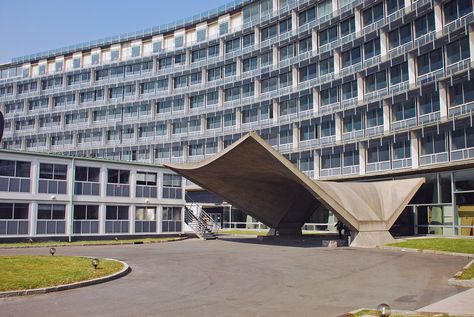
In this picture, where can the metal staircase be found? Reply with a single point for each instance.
(201, 223)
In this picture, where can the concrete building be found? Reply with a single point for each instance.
(44, 195)
(344, 89)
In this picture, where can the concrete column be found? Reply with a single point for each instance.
(33, 215)
(471, 42)
(275, 55)
(238, 64)
(360, 87)
(170, 85)
(135, 133)
(204, 75)
(185, 152)
(257, 87)
(35, 166)
(414, 150)
(131, 217)
(294, 20)
(294, 75)
(358, 20)
(103, 182)
(383, 43)
(154, 69)
(337, 61)
(362, 157)
(221, 48)
(220, 102)
(169, 129)
(186, 103)
(276, 113)
(411, 69)
(317, 163)
(314, 40)
(220, 144)
(315, 101)
(338, 123)
(335, 5)
(89, 117)
(257, 35)
(438, 15)
(296, 136)
(276, 5)
(238, 118)
(104, 136)
(102, 216)
(36, 124)
(50, 103)
(443, 100)
(386, 116)
(203, 123)
(137, 90)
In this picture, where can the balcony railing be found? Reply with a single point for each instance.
(462, 154)
(434, 158)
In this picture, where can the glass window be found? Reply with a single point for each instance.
(373, 14)
(399, 73)
(457, 50)
(425, 24)
(348, 26)
(372, 48)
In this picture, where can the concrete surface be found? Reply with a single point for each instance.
(459, 304)
(246, 277)
(253, 176)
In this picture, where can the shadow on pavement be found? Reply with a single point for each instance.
(306, 241)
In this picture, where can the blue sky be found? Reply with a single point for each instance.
(32, 26)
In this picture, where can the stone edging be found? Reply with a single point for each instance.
(454, 281)
(59, 244)
(124, 271)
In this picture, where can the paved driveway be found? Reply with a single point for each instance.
(244, 277)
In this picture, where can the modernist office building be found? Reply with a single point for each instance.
(346, 89)
(44, 195)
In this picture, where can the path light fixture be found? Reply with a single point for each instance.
(52, 251)
(384, 310)
(95, 263)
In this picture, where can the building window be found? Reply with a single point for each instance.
(166, 62)
(456, 9)
(114, 55)
(461, 93)
(288, 107)
(308, 131)
(351, 158)
(328, 128)
(424, 25)
(285, 25)
(198, 55)
(308, 72)
(394, 5)
(213, 122)
(146, 185)
(400, 36)
(116, 219)
(249, 64)
(307, 16)
(232, 45)
(462, 138)
(51, 219)
(372, 48)
(268, 32)
(331, 161)
(401, 150)
(328, 35)
(200, 35)
(403, 110)
(52, 179)
(229, 119)
(266, 59)
(376, 81)
(350, 57)
(429, 102)
(87, 181)
(286, 79)
(430, 62)
(324, 8)
(352, 122)
(248, 40)
(15, 176)
(179, 41)
(171, 219)
(287, 52)
(269, 84)
(373, 14)
(249, 115)
(157, 47)
(326, 66)
(378, 153)
(231, 94)
(347, 26)
(305, 45)
(214, 74)
(172, 186)
(349, 90)
(118, 182)
(230, 70)
(306, 102)
(329, 96)
(145, 219)
(213, 51)
(13, 219)
(58, 66)
(433, 143)
(196, 101)
(136, 51)
(266, 112)
(180, 81)
(86, 219)
(399, 73)
(374, 117)
(223, 28)
(457, 51)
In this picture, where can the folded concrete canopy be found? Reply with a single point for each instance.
(253, 176)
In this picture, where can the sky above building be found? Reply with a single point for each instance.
(32, 26)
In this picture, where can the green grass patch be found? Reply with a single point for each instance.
(92, 242)
(468, 273)
(29, 272)
(439, 244)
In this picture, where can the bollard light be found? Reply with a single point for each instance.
(52, 251)
(95, 263)
(384, 310)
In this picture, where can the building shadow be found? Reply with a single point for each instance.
(306, 241)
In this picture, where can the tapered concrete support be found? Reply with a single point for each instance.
(252, 175)
(414, 150)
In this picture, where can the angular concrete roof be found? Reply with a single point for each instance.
(253, 176)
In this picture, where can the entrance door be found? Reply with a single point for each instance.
(217, 220)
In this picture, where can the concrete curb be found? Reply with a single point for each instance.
(465, 255)
(125, 270)
(454, 281)
(88, 245)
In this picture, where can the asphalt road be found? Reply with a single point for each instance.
(245, 277)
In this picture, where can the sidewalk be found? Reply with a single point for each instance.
(461, 304)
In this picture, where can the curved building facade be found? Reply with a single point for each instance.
(344, 89)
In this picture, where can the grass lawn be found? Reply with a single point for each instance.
(95, 242)
(468, 273)
(439, 244)
(28, 272)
